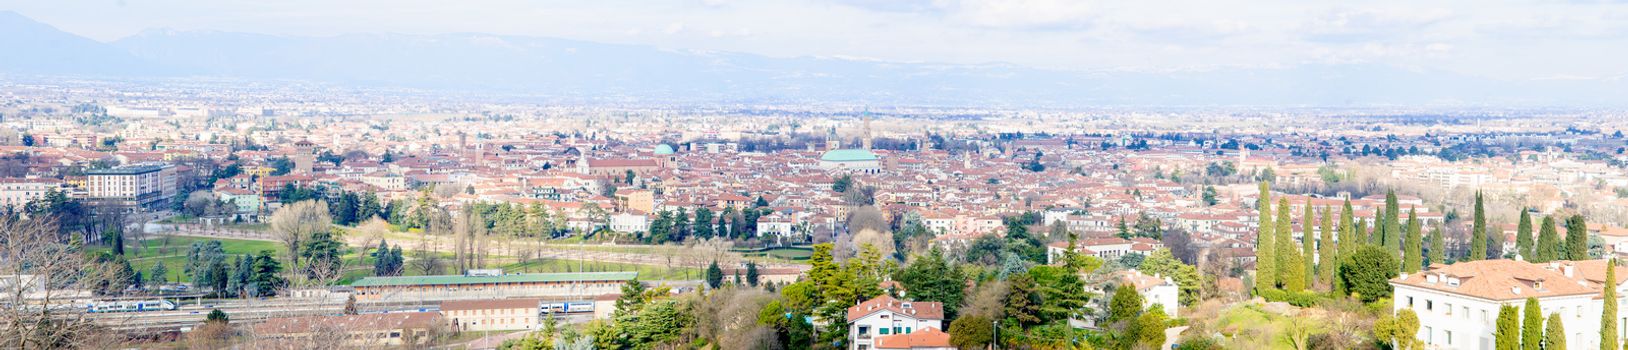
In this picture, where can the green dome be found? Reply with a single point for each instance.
(664, 149)
(848, 155)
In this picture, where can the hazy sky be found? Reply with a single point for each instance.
(1490, 38)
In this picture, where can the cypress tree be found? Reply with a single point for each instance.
(1266, 272)
(1508, 334)
(1362, 233)
(1413, 258)
(1291, 271)
(1348, 236)
(1328, 252)
(1554, 332)
(1308, 244)
(1608, 316)
(1576, 238)
(1478, 233)
(1438, 248)
(1531, 325)
(1548, 246)
(1523, 236)
(1393, 224)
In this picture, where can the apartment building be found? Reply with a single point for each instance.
(144, 185)
(1458, 304)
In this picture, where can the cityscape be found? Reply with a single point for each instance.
(918, 175)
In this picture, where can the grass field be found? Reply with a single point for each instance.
(172, 250)
(646, 272)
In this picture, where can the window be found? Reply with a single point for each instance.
(1449, 308)
(1410, 302)
(1447, 336)
(1430, 336)
(864, 329)
(1466, 312)
(884, 331)
(1430, 305)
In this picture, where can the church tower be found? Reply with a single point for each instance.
(866, 138)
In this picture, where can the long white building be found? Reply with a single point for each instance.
(1458, 304)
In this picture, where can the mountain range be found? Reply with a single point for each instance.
(562, 68)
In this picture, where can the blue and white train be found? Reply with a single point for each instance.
(567, 307)
(131, 306)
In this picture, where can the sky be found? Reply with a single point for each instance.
(1516, 40)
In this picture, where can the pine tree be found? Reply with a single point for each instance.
(1531, 325)
(1308, 244)
(1608, 316)
(1508, 334)
(715, 275)
(1576, 238)
(1328, 252)
(1478, 233)
(1412, 258)
(1265, 262)
(1548, 245)
(1438, 248)
(1523, 236)
(1554, 332)
(1291, 271)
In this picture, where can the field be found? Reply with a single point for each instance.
(172, 250)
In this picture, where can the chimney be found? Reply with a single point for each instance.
(1568, 269)
(1515, 289)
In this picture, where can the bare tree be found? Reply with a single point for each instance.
(293, 223)
(40, 275)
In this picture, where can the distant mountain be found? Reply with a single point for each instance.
(579, 70)
(32, 47)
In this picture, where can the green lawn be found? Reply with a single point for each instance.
(172, 250)
(646, 272)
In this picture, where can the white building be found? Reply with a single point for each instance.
(884, 315)
(629, 222)
(1155, 290)
(1104, 248)
(1458, 304)
(16, 193)
(144, 184)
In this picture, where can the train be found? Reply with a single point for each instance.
(131, 306)
(567, 307)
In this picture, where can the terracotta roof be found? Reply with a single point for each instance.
(1502, 280)
(926, 310)
(451, 305)
(922, 338)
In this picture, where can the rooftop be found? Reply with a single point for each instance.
(511, 278)
(848, 155)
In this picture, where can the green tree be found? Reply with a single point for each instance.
(1438, 248)
(267, 278)
(971, 332)
(1188, 280)
(1413, 256)
(1308, 245)
(1348, 232)
(1523, 236)
(218, 317)
(703, 223)
(1266, 272)
(752, 274)
(1023, 302)
(1608, 316)
(1393, 224)
(1328, 251)
(1478, 232)
(715, 275)
(842, 184)
(1150, 328)
(1531, 325)
(160, 273)
(1367, 273)
(1554, 332)
(1508, 334)
(1361, 232)
(1291, 269)
(931, 278)
(1548, 246)
(1576, 238)
(1398, 330)
(1125, 305)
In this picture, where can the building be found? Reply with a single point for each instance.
(855, 160)
(1155, 290)
(144, 185)
(884, 315)
(924, 339)
(367, 330)
(629, 222)
(1458, 304)
(491, 286)
(643, 201)
(492, 315)
(1104, 248)
(17, 193)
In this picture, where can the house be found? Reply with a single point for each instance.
(1155, 290)
(1458, 304)
(629, 222)
(492, 314)
(885, 315)
(925, 339)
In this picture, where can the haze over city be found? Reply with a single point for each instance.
(798, 174)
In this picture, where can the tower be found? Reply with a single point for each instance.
(866, 138)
